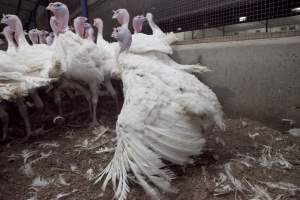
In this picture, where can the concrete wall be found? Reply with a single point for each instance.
(256, 78)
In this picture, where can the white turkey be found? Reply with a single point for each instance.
(159, 40)
(142, 43)
(14, 86)
(110, 50)
(29, 66)
(64, 84)
(37, 57)
(109, 64)
(170, 38)
(165, 114)
(81, 59)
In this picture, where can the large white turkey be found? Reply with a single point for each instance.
(14, 86)
(166, 111)
(157, 44)
(142, 43)
(27, 70)
(64, 84)
(81, 58)
(38, 57)
(170, 38)
(109, 64)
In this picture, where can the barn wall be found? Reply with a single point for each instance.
(256, 78)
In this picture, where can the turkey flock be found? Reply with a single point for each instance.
(166, 110)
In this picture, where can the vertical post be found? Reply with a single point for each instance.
(267, 26)
(48, 15)
(19, 7)
(84, 8)
(223, 31)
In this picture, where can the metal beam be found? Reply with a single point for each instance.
(84, 8)
(19, 7)
(90, 3)
(32, 16)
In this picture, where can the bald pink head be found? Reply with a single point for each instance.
(13, 22)
(61, 16)
(122, 15)
(34, 36)
(79, 26)
(16, 26)
(137, 23)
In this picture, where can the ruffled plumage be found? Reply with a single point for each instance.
(163, 117)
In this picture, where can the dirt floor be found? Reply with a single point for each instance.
(248, 161)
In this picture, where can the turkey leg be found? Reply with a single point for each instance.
(4, 119)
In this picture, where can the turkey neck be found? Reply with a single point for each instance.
(155, 29)
(53, 25)
(79, 29)
(19, 34)
(137, 26)
(100, 31)
(90, 34)
(34, 38)
(61, 21)
(152, 24)
(9, 36)
(124, 21)
(42, 40)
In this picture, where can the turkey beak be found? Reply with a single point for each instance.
(3, 19)
(144, 19)
(49, 7)
(114, 14)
